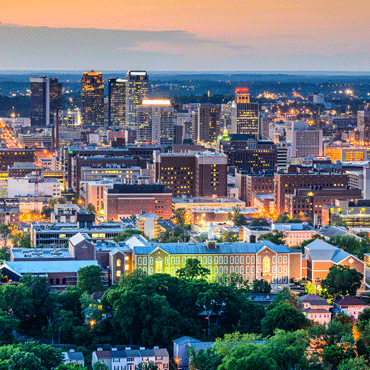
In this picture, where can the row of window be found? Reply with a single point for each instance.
(211, 260)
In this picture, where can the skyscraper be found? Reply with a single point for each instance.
(136, 91)
(117, 102)
(363, 125)
(244, 114)
(155, 122)
(46, 99)
(208, 122)
(92, 98)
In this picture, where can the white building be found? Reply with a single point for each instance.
(32, 185)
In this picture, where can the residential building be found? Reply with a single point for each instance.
(316, 308)
(123, 200)
(117, 102)
(137, 86)
(351, 306)
(192, 174)
(155, 122)
(72, 357)
(92, 99)
(130, 358)
(244, 114)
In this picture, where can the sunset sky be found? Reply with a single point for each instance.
(281, 35)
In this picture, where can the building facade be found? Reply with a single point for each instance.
(117, 102)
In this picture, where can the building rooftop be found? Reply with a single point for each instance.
(207, 200)
(349, 301)
(37, 253)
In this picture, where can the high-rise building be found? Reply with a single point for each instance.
(92, 98)
(244, 114)
(363, 125)
(136, 91)
(155, 122)
(208, 123)
(117, 102)
(46, 99)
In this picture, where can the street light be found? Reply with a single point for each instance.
(177, 361)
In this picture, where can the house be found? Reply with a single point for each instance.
(180, 349)
(129, 358)
(73, 357)
(316, 308)
(350, 305)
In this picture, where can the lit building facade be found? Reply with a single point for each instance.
(117, 102)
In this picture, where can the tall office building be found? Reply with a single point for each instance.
(46, 99)
(208, 123)
(363, 125)
(117, 102)
(244, 114)
(136, 91)
(155, 122)
(92, 98)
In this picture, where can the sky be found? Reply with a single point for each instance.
(185, 35)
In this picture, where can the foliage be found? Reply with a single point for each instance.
(358, 363)
(71, 366)
(8, 325)
(193, 269)
(229, 237)
(4, 254)
(341, 281)
(351, 244)
(203, 359)
(261, 286)
(174, 236)
(178, 216)
(89, 279)
(5, 232)
(236, 217)
(126, 234)
(24, 361)
(277, 237)
(90, 208)
(234, 280)
(100, 366)
(259, 221)
(285, 218)
(251, 316)
(285, 317)
(147, 366)
(310, 288)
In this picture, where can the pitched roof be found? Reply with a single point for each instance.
(75, 356)
(78, 238)
(202, 345)
(102, 354)
(349, 300)
(313, 299)
(185, 339)
(330, 231)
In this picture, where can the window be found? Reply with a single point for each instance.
(145, 261)
(172, 260)
(237, 260)
(216, 270)
(151, 260)
(242, 269)
(247, 269)
(166, 260)
(166, 269)
(225, 259)
(248, 260)
(231, 260)
(200, 259)
(232, 269)
(151, 270)
(210, 260)
(252, 269)
(172, 271)
(279, 259)
(220, 270)
(118, 263)
(225, 269)
(64, 281)
(284, 269)
(183, 260)
(242, 259)
(252, 259)
(51, 281)
(177, 260)
(139, 261)
(216, 260)
(279, 270)
(221, 260)
(285, 259)
(158, 265)
(118, 273)
(57, 282)
(259, 259)
(274, 259)
(130, 359)
(266, 265)
(237, 269)
(204, 260)
(274, 269)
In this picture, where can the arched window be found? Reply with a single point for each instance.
(158, 265)
(266, 265)
(118, 263)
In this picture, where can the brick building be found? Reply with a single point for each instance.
(123, 200)
(286, 183)
(194, 174)
(9, 156)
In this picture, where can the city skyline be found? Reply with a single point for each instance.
(205, 35)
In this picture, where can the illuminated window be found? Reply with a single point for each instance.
(118, 273)
(266, 265)
(118, 263)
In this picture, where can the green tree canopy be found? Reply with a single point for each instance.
(236, 217)
(285, 218)
(259, 221)
(193, 269)
(24, 361)
(261, 286)
(277, 237)
(341, 280)
(90, 279)
(126, 234)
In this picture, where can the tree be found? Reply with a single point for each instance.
(358, 363)
(71, 366)
(179, 216)
(259, 221)
(90, 208)
(126, 234)
(193, 269)
(203, 359)
(4, 254)
(341, 280)
(24, 361)
(100, 366)
(332, 356)
(310, 288)
(351, 244)
(49, 356)
(283, 317)
(236, 217)
(5, 232)
(89, 279)
(261, 286)
(277, 237)
(25, 241)
(8, 325)
(147, 366)
(285, 218)
(251, 315)
(229, 237)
